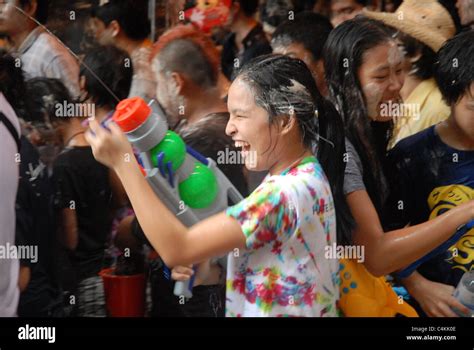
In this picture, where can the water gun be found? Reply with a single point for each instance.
(189, 184)
(461, 231)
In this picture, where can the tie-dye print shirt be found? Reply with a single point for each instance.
(287, 221)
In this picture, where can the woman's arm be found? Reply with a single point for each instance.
(391, 251)
(175, 243)
(207, 272)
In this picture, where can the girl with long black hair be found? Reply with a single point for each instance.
(276, 236)
(363, 72)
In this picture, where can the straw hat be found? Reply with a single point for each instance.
(425, 20)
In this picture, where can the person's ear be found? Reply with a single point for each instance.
(319, 68)
(31, 7)
(84, 95)
(82, 83)
(178, 83)
(114, 28)
(287, 123)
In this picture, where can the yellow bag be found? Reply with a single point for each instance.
(364, 295)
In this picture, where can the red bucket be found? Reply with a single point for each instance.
(124, 295)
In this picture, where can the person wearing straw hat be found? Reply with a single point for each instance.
(422, 27)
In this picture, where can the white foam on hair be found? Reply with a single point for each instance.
(290, 99)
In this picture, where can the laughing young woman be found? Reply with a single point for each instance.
(276, 237)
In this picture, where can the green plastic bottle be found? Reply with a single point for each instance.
(174, 149)
(199, 190)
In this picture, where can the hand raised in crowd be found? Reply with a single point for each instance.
(141, 62)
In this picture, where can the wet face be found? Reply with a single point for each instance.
(40, 134)
(250, 129)
(12, 20)
(463, 113)
(466, 11)
(381, 77)
(344, 10)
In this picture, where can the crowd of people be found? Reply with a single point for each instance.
(360, 119)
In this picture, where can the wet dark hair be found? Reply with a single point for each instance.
(284, 86)
(131, 15)
(349, 41)
(423, 68)
(41, 14)
(44, 94)
(12, 84)
(109, 64)
(308, 29)
(454, 71)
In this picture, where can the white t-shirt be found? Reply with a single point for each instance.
(288, 221)
(9, 173)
